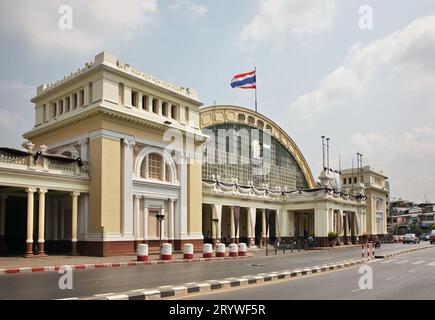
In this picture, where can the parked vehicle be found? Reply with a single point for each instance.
(396, 238)
(432, 237)
(401, 238)
(411, 238)
(424, 237)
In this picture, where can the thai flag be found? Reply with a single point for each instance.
(245, 80)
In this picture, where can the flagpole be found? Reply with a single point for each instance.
(255, 89)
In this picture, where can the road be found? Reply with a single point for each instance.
(408, 276)
(101, 281)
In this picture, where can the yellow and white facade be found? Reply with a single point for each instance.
(113, 149)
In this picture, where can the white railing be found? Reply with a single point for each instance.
(44, 164)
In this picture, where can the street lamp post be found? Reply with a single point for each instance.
(160, 217)
(215, 221)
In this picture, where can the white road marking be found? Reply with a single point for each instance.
(356, 290)
(388, 279)
(412, 270)
(418, 262)
(389, 261)
(432, 264)
(403, 261)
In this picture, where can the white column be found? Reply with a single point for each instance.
(278, 223)
(30, 213)
(171, 219)
(136, 217)
(251, 226)
(74, 215)
(263, 222)
(217, 211)
(162, 211)
(145, 222)
(127, 187)
(55, 215)
(41, 220)
(232, 224)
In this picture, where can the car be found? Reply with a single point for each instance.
(432, 237)
(401, 237)
(395, 238)
(411, 238)
(424, 237)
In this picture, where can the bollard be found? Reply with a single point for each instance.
(220, 250)
(142, 252)
(207, 250)
(362, 252)
(166, 251)
(243, 249)
(234, 250)
(373, 250)
(368, 250)
(188, 251)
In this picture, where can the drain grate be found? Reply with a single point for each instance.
(257, 265)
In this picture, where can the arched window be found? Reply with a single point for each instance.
(155, 166)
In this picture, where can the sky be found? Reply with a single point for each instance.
(359, 72)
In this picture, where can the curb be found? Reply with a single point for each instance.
(215, 285)
(395, 253)
(111, 265)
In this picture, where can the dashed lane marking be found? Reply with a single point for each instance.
(418, 262)
(403, 261)
(389, 261)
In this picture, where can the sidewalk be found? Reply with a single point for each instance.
(18, 264)
(13, 265)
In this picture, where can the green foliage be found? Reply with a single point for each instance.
(332, 235)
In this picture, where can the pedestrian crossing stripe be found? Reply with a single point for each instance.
(403, 261)
(418, 262)
(432, 264)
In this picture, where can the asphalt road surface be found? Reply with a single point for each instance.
(103, 281)
(404, 277)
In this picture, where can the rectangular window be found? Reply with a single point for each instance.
(355, 180)
(155, 106)
(174, 112)
(67, 104)
(90, 100)
(344, 181)
(60, 107)
(134, 100)
(44, 113)
(145, 102)
(81, 98)
(165, 109)
(53, 110)
(74, 101)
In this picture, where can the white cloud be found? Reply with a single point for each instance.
(382, 98)
(406, 157)
(16, 111)
(276, 20)
(402, 61)
(97, 24)
(194, 9)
